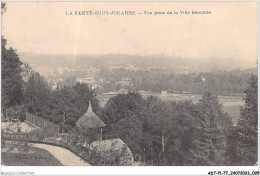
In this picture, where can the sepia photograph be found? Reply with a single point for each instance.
(129, 84)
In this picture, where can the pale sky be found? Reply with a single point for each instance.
(230, 31)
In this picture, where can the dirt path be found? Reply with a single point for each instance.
(66, 157)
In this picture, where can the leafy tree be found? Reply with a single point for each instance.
(123, 106)
(83, 94)
(216, 125)
(124, 116)
(67, 104)
(17, 112)
(185, 130)
(243, 140)
(174, 129)
(160, 119)
(36, 94)
(61, 106)
(12, 93)
(170, 133)
(26, 72)
(130, 131)
(71, 81)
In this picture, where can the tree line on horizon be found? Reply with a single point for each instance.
(221, 83)
(157, 80)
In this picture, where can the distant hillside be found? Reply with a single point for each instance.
(140, 62)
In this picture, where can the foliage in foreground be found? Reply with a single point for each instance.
(243, 141)
(177, 133)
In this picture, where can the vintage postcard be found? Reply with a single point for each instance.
(129, 84)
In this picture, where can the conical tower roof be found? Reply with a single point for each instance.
(90, 119)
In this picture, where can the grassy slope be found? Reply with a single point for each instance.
(38, 158)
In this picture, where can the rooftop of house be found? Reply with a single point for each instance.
(90, 119)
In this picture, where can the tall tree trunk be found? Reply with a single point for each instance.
(64, 118)
(163, 142)
(101, 134)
